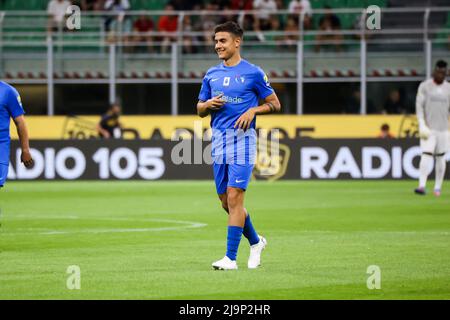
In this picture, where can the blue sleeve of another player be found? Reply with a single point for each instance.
(205, 91)
(14, 103)
(262, 85)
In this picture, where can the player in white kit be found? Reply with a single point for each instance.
(433, 109)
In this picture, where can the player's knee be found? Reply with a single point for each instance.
(234, 198)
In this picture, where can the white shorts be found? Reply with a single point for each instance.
(437, 143)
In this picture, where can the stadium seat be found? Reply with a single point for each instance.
(347, 20)
(337, 3)
(25, 5)
(356, 3)
(318, 4)
(380, 3)
(148, 4)
(448, 20)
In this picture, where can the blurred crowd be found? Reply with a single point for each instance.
(141, 29)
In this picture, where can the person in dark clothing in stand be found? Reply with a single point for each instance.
(109, 126)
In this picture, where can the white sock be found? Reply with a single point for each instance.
(440, 172)
(425, 168)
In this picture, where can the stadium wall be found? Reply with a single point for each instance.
(168, 127)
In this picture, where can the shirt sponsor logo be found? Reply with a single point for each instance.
(239, 79)
(226, 98)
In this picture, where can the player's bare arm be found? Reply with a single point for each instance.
(22, 132)
(204, 108)
(271, 105)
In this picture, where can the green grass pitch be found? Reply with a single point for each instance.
(157, 240)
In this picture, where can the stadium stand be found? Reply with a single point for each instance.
(84, 54)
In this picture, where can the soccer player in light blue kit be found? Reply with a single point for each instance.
(11, 107)
(230, 93)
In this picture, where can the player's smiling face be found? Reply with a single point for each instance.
(226, 45)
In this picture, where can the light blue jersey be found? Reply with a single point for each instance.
(10, 107)
(241, 85)
(234, 151)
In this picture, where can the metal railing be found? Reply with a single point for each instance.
(113, 50)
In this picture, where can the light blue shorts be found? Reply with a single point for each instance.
(3, 174)
(232, 175)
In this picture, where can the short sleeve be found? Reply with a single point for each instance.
(205, 91)
(50, 8)
(14, 103)
(262, 85)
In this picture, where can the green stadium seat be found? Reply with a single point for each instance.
(337, 3)
(347, 20)
(380, 3)
(356, 3)
(25, 5)
(318, 4)
(444, 37)
(448, 20)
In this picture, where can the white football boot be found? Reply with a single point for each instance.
(225, 264)
(254, 260)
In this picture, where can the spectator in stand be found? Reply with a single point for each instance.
(226, 15)
(206, 24)
(142, 28)
(220, 4)
(90, 5)
(168, 24)
(280, 4)
(273, 33)
(353, 104)
(188, 41)
(183, 5)
(241, 4)
(56, 10)
(262, 18)
(246, 21)
(291, 26)
(330, 24)
(394, 103)
(302, 7)
(118, 21)
(385, 132)
(109, 126)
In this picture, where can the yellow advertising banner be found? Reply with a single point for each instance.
(166, 127)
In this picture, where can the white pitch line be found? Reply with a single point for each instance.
(185, 225)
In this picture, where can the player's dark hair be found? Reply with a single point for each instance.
(231, 27)
(441, 64)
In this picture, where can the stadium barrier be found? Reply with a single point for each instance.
(168, 127)
(154, 160)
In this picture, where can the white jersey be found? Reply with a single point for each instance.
(433, 105)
